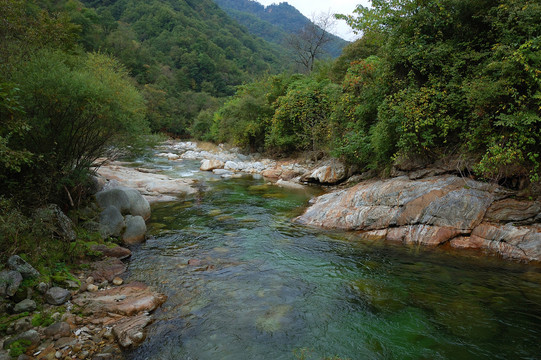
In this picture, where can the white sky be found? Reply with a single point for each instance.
(314, 7)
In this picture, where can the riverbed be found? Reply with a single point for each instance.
(245, 282)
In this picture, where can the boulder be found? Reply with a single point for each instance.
(115, 197)
(434, 211)
(211, 164)
(129, 331)
(107, 269)
(289, 184)
(111, 222)
(16, 263)
(127, 300)
(58, 330)
(135, 230)
(331, 172)
(27, 305)
(57, 296)
(64, 227)
(126, 200)
(10, 280)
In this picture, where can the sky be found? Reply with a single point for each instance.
(315, 7)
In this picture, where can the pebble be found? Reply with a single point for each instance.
(92, 288)
(117, 281)
(90, 280)
(58, 355)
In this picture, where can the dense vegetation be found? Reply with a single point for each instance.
(275, 23)
(427, 81)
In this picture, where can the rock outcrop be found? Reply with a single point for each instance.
(434, 211)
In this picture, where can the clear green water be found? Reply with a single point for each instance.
(261, 287)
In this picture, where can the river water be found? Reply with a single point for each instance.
(245, 282)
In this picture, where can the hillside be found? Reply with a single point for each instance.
(275, 22)
(184, 53)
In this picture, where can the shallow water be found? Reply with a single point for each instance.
(245, 282)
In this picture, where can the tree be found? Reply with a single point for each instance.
(308, 44)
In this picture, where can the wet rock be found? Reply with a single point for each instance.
(107, 269)
(331, 172)
(10, 281)
(116, 252)
(135, 230)
(30, 335)
(58, 330)
(126, 300)
(211, 164)
(25, 305)
(17, 264)
(57, 296)
(111, 222)
(129, 332)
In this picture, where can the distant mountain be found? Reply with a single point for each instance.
(274, 23)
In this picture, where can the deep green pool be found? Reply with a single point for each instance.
(244, 282)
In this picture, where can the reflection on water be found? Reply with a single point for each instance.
(244, 282)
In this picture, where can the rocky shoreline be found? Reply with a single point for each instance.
(96, 315)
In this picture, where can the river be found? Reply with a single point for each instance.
(245, 282)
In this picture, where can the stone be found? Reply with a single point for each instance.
(27, 305)
(65, 342)
(129, 332)
(116, 252)
(107, 269)
(111, 222)
(20, 325)
(115, 197)
(64, 225)
(58, 330)
(117, 281)
(138, 205)
(127, 300)
(30, 335)
(154, 187)
(43, 287)
(10, 280)
(57, 296)
(233, 166)
(16, 263)
(331, 172)
(211, 164)
(222, 172)
(289, 184)
(135, 230)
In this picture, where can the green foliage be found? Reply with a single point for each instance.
(302, 116)
(19, 347)
(76, 106)
(42, 319)
(457, 77)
